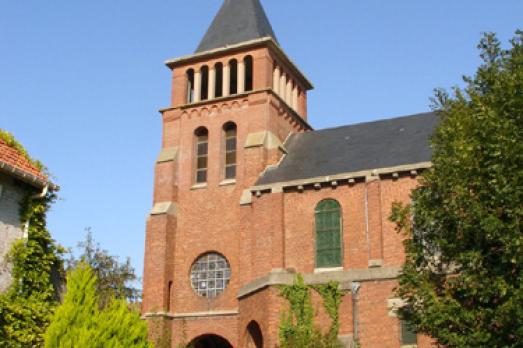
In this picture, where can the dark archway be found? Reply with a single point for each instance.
(255, 337)
(210, 341)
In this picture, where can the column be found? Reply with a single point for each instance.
(197, 86)
(276, 80)
(283, 84)
(241, 76)
(288, 92)
(212, 82)
(295, 98)
(226, 80)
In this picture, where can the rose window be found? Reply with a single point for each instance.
(210, 275)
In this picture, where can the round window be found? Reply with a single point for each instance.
(210, 275)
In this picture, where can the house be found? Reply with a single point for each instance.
(19, 178)
(247, 194)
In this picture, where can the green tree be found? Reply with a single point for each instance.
(26, 307)
(115, 279)
(463, 278)
(79, 322)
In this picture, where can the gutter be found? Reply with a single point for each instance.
(28, 178)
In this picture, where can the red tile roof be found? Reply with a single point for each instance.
(13, 161)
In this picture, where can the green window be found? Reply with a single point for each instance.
(328, 234)
(408, 335)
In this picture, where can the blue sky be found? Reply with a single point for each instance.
(81, 83)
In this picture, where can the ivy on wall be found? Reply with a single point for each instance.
(297, 327)
(37, 271)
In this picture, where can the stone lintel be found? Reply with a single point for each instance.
(345, 278)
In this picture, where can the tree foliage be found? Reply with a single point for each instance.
(463, 279)
(79, 321)
(37, 265)
(297, 328)
(114, 278)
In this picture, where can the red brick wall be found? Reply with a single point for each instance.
(275, 231)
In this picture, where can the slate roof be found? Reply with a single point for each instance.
(237, 21)
(14, 163)
(365, 146)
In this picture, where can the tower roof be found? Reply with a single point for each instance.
(237, 21)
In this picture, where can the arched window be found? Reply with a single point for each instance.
(202, 141)
(205, 83)
(328, 234)
(248, 73)
(230, 133)
(254, 335)
(233, 65)
(190, 86)
(219, 80)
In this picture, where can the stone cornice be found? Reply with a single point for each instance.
(368, 175)
(192, 315)
(202, 103)
(345, 278)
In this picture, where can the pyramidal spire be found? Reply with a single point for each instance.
(237, 21)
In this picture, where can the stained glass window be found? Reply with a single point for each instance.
(210, 275)
(328, 234)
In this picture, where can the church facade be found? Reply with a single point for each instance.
(247, 195)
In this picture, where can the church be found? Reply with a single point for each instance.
(247, 195)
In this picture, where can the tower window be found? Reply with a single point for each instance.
(248, 73)
(202, 149)
(190, 86)
(408, 334)
(328, 234)
(230, 131)
(219, 80)
(233, 64)
(205, 83)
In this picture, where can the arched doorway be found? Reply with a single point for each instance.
(254, 335)
(210, 341)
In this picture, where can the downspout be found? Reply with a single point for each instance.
(39, 195)
(355, 288)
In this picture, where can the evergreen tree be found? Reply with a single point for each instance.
(463, 279)
(79, 321)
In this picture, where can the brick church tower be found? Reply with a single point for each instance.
(239, 183)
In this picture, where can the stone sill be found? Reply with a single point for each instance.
(328, 269)
(199, 186)
(228, 182)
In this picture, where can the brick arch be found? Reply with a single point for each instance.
(210, 340)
